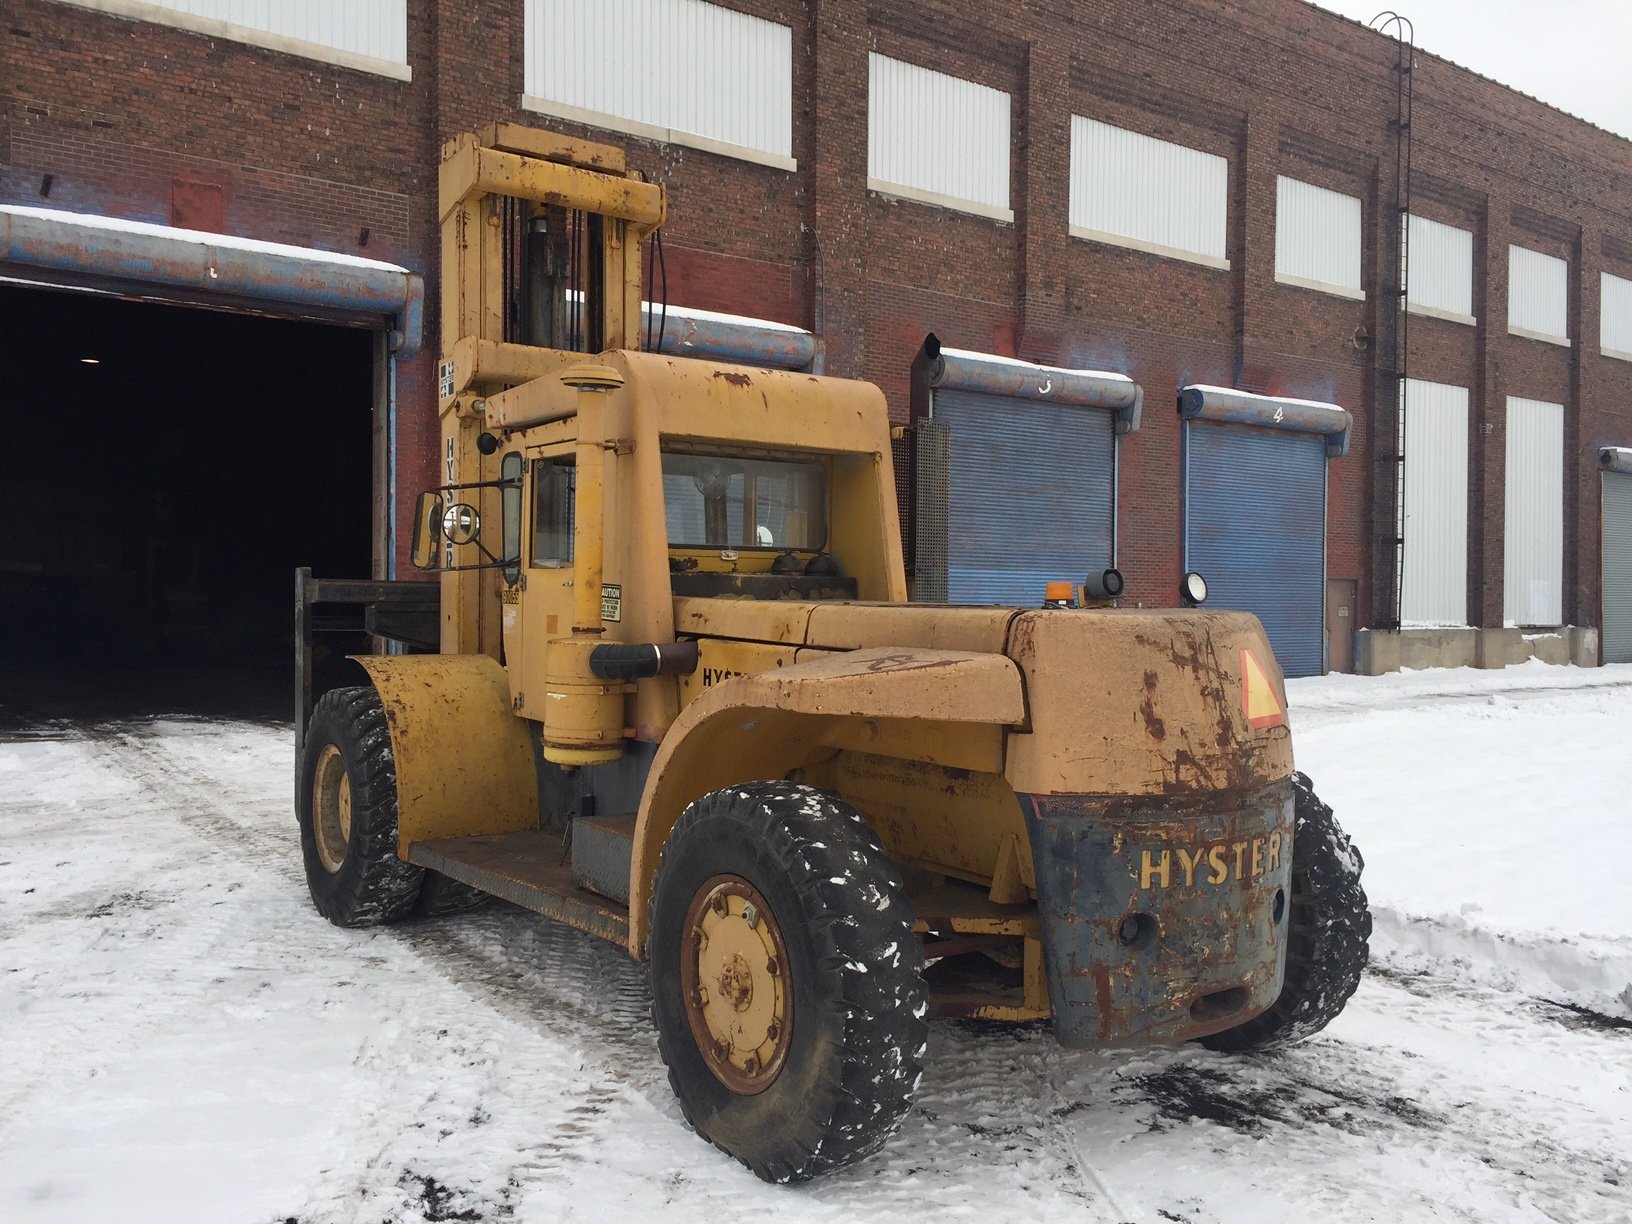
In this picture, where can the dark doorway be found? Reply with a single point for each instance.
(167, 470)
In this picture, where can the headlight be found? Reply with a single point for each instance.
(1192, 590)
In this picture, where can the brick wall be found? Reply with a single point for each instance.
(309, 153)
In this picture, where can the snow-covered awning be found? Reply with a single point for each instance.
(987, 373)
(687, 332)
(1201, 402)
(47, 245)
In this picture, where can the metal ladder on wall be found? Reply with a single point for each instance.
(1404, 63)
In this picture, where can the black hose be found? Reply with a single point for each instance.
(639, 661)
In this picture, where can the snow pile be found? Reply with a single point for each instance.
(1491, 811)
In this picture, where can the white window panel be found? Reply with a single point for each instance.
(679, 71)
(1317, 238)
(936, 138)
(1615, 317)
(1533, 547)
(1538, 294)
(1434, 584)
(1153, 195)
(369, 35)
(1440, 270)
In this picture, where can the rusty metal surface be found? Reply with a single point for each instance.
(1162, 919)
(749, 620)
(469, 169)
(534, 142)
(851, 627)
(1126, 702)
(525, 869)
(951, 905)
(464, 761)
(765, 724)
(1006, 1006)
(951, 819)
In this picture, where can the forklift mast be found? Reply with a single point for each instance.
(541, 263)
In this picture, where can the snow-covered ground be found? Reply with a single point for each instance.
(183, 1039)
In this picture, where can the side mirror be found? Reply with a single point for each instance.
(510, 472)
(461, 524)
(427, 530)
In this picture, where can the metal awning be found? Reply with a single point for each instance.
(1201, 402)
(986, 373)
(1616, 458)
(687, 332)
(50, 247)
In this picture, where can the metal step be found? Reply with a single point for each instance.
(601, 849)
(526, 869)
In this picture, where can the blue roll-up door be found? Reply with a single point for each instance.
(1617, 646)
(1255, 529)
(1032, 497)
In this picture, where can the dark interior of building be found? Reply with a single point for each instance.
(167, 470)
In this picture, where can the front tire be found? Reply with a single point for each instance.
(346, 802)
(1328, 929)
(787, 982)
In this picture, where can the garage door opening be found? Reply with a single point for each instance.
(169, 468)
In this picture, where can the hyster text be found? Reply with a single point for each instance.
(1216, 864)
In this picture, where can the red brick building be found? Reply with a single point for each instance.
(1186, 192)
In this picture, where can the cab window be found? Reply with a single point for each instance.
(553, 485)
(719, 501)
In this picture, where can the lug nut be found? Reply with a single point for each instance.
(771, 967)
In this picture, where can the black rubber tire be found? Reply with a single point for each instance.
(372, 886)
(1328, 929)
(856, 970)
(440, 896)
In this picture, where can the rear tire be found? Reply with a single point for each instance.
(439, 896)
(1327, 933)
(810, 932)
(346, 802)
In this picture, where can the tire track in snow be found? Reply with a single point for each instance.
(68, 1016)
(199, 792)
(1437, 1085)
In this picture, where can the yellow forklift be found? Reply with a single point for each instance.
(670, 691)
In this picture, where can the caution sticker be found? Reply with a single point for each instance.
(1258, 700)
(611, 601)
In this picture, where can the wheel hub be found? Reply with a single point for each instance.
(331, 808)
(733, 977)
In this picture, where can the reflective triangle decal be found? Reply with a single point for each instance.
(1258, 700)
